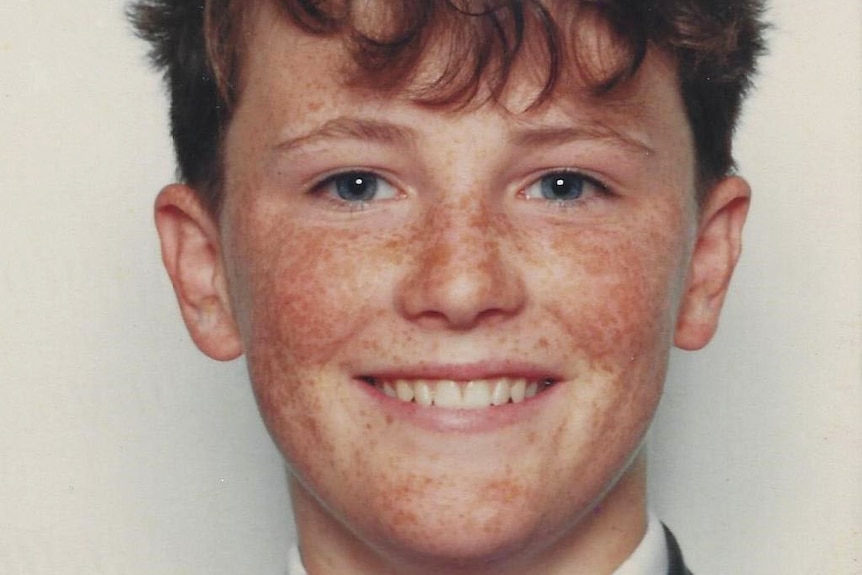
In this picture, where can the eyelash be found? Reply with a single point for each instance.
(583, 180)
(358, 175)
(369, 178)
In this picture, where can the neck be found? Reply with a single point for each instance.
(597, 542)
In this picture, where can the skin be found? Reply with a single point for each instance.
(458, 269)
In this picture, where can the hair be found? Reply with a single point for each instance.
(198, 44)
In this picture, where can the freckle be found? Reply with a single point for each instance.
(492, 527)
(389, 420)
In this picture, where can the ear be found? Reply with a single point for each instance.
(192, 256)
(716, 251)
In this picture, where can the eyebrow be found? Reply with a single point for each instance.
(558, 135)
(383, 132)
(353, 128)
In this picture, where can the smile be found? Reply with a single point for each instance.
(450, 394)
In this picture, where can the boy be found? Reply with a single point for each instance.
(455, 242)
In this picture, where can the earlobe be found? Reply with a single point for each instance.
(191, 254)
(716, 251)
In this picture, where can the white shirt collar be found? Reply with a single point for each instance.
(294, 562)
(649, 557)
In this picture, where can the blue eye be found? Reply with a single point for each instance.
(563, 186)
(358, 187)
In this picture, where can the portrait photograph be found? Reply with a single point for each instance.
(450, 287)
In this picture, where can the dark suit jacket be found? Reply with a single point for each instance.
(677, 566)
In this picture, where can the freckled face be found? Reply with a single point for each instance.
(368, 240)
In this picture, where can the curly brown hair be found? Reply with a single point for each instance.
(198, 45)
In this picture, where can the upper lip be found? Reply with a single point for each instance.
(464, 372)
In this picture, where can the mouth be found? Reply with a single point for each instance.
(451, 394)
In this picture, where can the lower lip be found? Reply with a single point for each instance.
(445, 420)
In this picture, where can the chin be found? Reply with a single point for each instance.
(455, 527)
(463, 541)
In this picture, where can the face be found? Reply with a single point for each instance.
(456, 323)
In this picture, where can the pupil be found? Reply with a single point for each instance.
(356, 187)
(562, 187)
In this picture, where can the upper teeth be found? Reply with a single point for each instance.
(451, 394)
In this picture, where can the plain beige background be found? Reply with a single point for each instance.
(123, 450)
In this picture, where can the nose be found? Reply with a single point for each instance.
(461, 275)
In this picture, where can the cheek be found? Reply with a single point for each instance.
(307, 292)
(304, 296)
(610, 302)
(615, 290)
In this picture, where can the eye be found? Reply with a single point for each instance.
(357, 187)
(563, 186)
